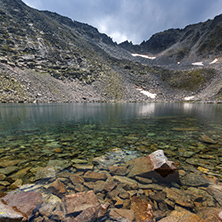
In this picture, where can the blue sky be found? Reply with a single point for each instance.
(133, 20)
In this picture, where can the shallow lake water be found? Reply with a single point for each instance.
(37, 133)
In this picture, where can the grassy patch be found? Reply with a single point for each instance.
(113, 86)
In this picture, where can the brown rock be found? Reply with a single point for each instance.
(118, 202)
(79, 187)
(49, 205)
(24, 202)
(178, 196)
(207, 139)
(110, 185)
(16, 184)
(76, 179)
(45, 172)
(8, 170)
(19, 175)
(83, 167)
(7, 163)
(7, 214)
(124, 195)
(57, 187)
(155, 165)
(159, 196)
(88, 215)
(216, 190)
(118, 170)
(143, 180)
(194, 180)
(2, 177)
(182, 216)
(127, 182)
(89, 185)
(4, 183)
(210, 214)
(126, 204)
(112, 194)
(94, 176)
(159, 214)
(142, 209)
(103, 209)
(76, 203)
(99, 186)
(121, 214)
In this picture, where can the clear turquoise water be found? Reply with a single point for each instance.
(37, 133)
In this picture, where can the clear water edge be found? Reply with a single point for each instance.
(38, 133)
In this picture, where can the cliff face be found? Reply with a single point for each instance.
(45, 57)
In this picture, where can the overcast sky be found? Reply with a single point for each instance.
(133, 20)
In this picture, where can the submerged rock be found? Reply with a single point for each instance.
(194, 180)
(7, 213)
(207, 139)
(155, 165)
(142, 209)
(79, 202)
(94, 176)
(24, 202)
(122, 215)
(45, 172)
(182, 216)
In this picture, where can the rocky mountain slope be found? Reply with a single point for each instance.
(194, 43)
(45, 57)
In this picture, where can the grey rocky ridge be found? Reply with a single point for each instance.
(45, 57)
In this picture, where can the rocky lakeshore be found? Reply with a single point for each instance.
(149, 188)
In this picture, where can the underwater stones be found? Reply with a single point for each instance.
(57, 188)
(76, 203)
(110, 185)
(206, 139)
(185, 129)
(178, 196)
(45, 173)
(194, 180)
(128, 182)
(206, 198)
(182, 215)
(142, 209)
(143, 180)
(79, 161)
(16, 184)
(94, 176)
(88, 215)
(216, 190)
(7, 213)
(7, 163)
(59, 164)
(83, 167)
(24, 202)
(155, 165)
(118, 170)
(211, 214)
(76, 179)
(8, 170)
(19, 174)
(121, 214)
(2, 176)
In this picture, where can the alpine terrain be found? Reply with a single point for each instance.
(46, 57)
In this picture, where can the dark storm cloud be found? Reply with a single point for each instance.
(133, 20)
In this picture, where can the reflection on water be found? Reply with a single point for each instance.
(37, 133)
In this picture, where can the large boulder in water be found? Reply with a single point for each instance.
(156, 165)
